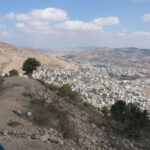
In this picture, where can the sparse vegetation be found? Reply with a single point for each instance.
(74, 96)
(66, 91)
(89, 105)
(50, 116)
(67, 127)
(13, 72)
(53, 88)
(106, 112)
(30, 65)
(42, 115)
(86, 104)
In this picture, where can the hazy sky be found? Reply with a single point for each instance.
(75, 23)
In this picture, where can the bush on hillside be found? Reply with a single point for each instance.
(136, 117)
(30, 65)
(89, 105)
(133, 117)
(106, 111)
(13, 72)
(53, 88)
(118, 110)
(74, 96)
(63, 91)
(66, 91)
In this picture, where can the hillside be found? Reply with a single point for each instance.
(115, 56)
(34, 118)
(12, 57)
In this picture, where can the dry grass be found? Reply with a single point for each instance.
(47, 115)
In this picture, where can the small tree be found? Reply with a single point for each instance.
(118, 110)
(66, 91)
(13, 72)
(53, 88)
(30, 65)
(134, 119)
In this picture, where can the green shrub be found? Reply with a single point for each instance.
(133, 117)
(30, 65)
(118, 110)
(74, 96)
(53, 88)
(86, 104)
(66, 91)
(106, 112)
(63, 91)
(13, 72)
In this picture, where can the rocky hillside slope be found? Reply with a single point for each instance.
(34, 118)
(12, 57)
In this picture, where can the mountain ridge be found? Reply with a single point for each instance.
(114, 55)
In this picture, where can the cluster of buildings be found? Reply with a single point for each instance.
(101, 84)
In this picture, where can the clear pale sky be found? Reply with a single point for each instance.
(75, 23)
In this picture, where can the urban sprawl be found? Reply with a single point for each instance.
(102, 84)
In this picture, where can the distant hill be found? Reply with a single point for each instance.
(114, 55)
(12, 57)
(63, 51)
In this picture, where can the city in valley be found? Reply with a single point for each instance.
(102, 84)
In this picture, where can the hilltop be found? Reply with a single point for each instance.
(35, 118)
(12, 57)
